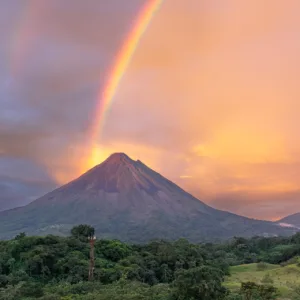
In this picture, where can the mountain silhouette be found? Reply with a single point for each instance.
(126, 200)
(291, 220)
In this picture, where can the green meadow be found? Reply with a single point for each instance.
(285, 278)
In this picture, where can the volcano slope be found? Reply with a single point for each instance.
(124, 199)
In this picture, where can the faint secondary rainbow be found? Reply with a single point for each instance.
(116, 73)
(25, 32)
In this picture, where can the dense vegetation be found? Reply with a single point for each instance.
(56, 268)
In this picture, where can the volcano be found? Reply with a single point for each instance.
(124, 199)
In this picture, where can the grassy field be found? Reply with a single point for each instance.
(284, 278)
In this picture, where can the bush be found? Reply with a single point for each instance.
(261, 266)
(267, 279)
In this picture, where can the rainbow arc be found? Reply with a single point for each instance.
(116, 73)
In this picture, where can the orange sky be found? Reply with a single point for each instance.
(224, 94)
(210, 99)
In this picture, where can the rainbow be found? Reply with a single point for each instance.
(116, 73)
(24, 35)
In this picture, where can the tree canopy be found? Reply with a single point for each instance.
(56, 268)
(83, 230)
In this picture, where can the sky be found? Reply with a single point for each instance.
(210, 98)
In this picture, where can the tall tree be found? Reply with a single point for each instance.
(83, 230)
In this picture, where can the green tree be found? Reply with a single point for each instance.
(250, 290)
(11, 292)
(83, 230)
(253, 291)
(20, 236)
(268, 292)
(199, 284)
(32, 289)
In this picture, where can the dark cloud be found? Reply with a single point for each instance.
(22, 181)
(19, 192)
(54, 89)
(54, 57)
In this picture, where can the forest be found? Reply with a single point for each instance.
(57, 268)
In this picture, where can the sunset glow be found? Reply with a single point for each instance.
(114, 77)
(204, 92)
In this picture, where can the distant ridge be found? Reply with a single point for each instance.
(127, 200)
(291, 220)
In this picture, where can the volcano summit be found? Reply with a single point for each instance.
(125, 199)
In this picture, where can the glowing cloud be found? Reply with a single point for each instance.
(115, 75)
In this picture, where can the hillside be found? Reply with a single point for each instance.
(293, 220)
(284, 278)
(125, 199)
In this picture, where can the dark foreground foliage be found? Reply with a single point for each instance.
(56, 268)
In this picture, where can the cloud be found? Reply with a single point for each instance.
(216, 82)
(211, 93)
(22, 181)
(272, 205)
(19, 192)
(59, 55)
